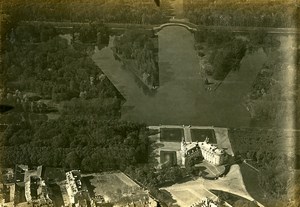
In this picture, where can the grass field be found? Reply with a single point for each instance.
(168, 157)
(201, 134)
(171, 134)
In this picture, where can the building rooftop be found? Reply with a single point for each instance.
(73, 179)
(211, 148)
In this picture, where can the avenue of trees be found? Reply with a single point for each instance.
(117, 11)
(263, 13)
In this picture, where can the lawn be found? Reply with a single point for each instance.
(171, 134)
(199, 135)
(168, 157)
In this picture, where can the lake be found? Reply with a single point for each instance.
(182, 97)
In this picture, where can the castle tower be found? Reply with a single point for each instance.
(183, 151)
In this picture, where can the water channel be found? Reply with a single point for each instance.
(181, 97)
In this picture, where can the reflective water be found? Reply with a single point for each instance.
(181, 97)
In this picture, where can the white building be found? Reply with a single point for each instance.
(210, 152)
(73, 184)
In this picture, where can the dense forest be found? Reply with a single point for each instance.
(74, 142)
(42, 67)
(39, 61)
(263, 13)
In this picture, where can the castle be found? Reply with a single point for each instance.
(211, 153)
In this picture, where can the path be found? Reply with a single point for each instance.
(178, 8)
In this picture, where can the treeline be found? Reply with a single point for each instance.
(117, 11)
(251, 13)
(138, 50)
(74, 143)
(93, 32)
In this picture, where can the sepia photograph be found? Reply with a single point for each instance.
(149, 103)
